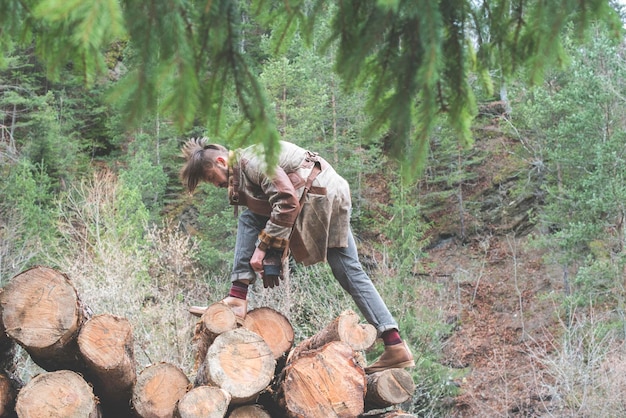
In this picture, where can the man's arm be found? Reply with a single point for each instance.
(283, 198)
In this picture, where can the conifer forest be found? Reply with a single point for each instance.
(484, 143)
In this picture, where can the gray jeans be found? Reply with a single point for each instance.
(344, 263)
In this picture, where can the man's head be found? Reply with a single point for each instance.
(204, 162)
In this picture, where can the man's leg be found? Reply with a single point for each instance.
(347, 269)
(249, 226)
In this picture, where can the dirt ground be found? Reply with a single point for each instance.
(504, 322)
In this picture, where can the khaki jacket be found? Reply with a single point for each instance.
(323, 221)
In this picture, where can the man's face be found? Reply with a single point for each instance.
(217, 175)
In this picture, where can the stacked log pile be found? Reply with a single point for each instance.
(249, 369)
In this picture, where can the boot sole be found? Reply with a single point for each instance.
(238, 318)
(403, 365)
(197, 310)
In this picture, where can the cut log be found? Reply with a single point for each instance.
(273, 327)
(322, 383)
(9, 388)
(41, 311)
(62, 393)
(387, 414)
(7, 347)
(203, 402)
(249, 411)
(157, 390)
(216, 319)
(106, 344)
(389, 387)
(240, 362)
(345, 328)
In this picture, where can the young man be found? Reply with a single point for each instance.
(318, 229)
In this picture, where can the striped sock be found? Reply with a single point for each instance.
(238, 290)
(391, 337)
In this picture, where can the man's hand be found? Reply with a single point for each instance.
(270, 281)
(272, 269)
(256, 262)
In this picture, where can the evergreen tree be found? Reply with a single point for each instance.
(416, 54)
(27, 217)
(579, 130)
(59, 125)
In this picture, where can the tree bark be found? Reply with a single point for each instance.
(7, 347)
(273, 327)
(249, 411)
(345, 328)
(389, 387)
(322, 383)
(203, 402)
(159, 387)
(240, 362)
(216, 319)
(106, 344)
(41, 311)
(62, 393)
(388, 414)
(9, 388)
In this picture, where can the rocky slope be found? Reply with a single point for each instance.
(496, 283)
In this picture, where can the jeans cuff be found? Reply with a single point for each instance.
(243, 276)
(383, 328)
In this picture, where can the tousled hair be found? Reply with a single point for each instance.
(199, 155)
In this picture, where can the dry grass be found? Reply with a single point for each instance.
(150, 293)
(310, 298)
(585, 373)
(15, 252)
(148, 281)
(150, 278)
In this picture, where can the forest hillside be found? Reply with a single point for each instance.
(499, 247)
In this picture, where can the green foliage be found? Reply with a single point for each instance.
(316, 113)
(217, 229)
(173, 47)
(405, 228)
(28, 188)
(27, 216)
(190, 59)
(103, 216)
(411, 301)
(91, 26)
(148, 178)
(128, 217)
(435, 387)
(315, 299)
(58, 125)
(46, 143)
(580, 148)
(597, 281)
(238, 72)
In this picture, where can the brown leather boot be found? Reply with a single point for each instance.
(197, 310)
(238, 306)
(396, 356)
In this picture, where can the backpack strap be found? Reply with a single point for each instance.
(233, 190)
(234, 182)
(317, 168)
